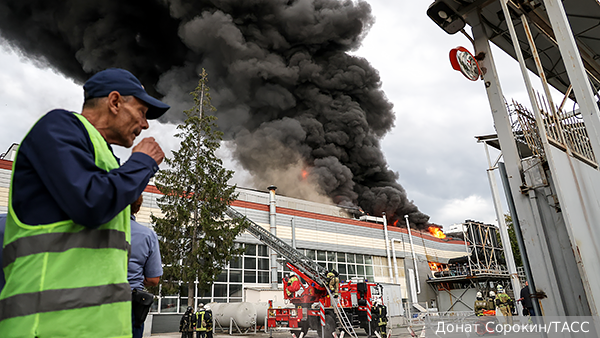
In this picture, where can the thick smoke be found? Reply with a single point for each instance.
(301, 112)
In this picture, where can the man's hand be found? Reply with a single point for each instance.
(149, 147)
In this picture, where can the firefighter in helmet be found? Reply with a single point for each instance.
(292, 285)
(200, 322)
(480, 304)
(379, 312)
(333, 283)
(505, 304)
(187, 323)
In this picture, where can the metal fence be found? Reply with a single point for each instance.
(564, 130)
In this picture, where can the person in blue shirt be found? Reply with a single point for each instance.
(66, 177)
(145, 265)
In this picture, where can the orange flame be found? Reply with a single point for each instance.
(304, 174)
(436, 231)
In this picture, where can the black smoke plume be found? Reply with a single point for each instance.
(297, 106)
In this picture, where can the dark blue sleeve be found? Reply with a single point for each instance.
(59, 152)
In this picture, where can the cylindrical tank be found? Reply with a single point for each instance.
(261, 311)
(243, 313)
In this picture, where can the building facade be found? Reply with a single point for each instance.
(325, 233)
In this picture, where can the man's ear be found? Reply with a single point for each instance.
(114, 102)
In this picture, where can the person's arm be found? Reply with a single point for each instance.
(153, 267)
(58, 149)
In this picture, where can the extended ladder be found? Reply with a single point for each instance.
(309, 267)
(341, 315)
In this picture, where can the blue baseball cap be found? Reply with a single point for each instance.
(115, 79)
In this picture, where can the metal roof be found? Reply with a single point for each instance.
(583, 15)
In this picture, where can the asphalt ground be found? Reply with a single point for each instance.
(401, 332)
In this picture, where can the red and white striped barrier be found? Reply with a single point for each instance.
(322, 312)
(369, 316)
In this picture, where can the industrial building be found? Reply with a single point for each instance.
(325, 233)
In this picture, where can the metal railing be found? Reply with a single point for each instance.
(564, 130)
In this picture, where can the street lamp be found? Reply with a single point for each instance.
(445, 17)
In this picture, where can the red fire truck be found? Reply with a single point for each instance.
(352, 308)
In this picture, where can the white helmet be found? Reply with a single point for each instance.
(207, 307)
(492, 294)
(479, 295)
(200, 306)
(500, 288)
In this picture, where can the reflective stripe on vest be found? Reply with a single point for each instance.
(199, 320)
(61, 275)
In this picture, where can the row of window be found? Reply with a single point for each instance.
(253, 267)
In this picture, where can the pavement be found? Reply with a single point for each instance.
(399, 332)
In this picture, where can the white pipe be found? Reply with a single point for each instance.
(508, 254)
(387, 246)
(395, 262)
(293, 233)
(412, 249)
(273, 229)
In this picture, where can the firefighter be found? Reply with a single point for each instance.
(200, 322)
(293, 285)
(505, 304)
(209, 321)
(379, 312)
(187, 323)
(480, 305)
(334, 283)
(492, 301)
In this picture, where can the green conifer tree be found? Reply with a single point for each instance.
(195, 238)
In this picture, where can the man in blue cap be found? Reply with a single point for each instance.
(67, 230)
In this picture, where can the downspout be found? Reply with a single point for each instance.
(273, 229)
(387, 246)
(412, 250)
(294, 233)
(395, 262)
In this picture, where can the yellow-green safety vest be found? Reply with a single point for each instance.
(62, 275)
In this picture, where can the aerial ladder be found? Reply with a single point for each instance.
(304, 264)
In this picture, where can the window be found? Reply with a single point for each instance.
(168, 305)
(263, 277)
(310, 254)
(263, 251)
(250, 249)
(222, 277)
(331, 256)
(236, 263)
(249, 263)
(263, 264)
(235, 275)
(359, 259)
(220, 290)
(235, 290)
(350, 258)
(341, 257)
(321, 255)
(249, 276)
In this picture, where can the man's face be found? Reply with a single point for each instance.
(131, 120)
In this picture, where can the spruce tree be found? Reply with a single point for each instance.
(195, 238)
